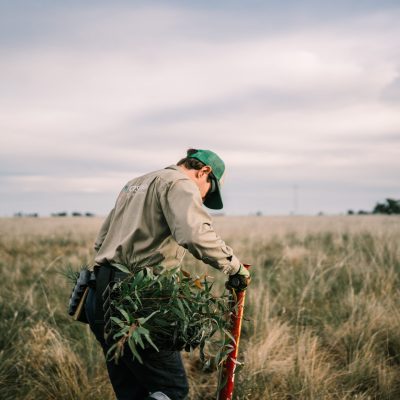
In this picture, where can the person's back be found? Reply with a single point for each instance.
(156, 217)
(136, 232)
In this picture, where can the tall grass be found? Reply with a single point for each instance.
(322, 311)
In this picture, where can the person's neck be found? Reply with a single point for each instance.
(190, 173)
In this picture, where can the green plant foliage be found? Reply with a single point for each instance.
(71, 274)
(168, 311)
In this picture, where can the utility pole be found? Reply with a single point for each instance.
(295, 199)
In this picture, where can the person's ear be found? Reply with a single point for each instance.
(205, 170)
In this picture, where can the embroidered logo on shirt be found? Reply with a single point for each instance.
(135, 188)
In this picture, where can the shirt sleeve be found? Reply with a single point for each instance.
(191, 226)
(103, 231)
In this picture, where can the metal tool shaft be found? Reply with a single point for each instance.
(228, 369)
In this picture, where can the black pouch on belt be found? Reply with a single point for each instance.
(76, 307)
(106, 278)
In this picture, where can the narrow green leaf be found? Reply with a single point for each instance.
(144, 320)
(122, 268)
(132, 346)
(117, 321)
(147, 336)
(125, 314)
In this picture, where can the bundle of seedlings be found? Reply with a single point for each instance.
(167, 311)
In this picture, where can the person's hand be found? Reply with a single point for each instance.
(240, 280)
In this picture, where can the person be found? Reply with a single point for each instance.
(156, 218)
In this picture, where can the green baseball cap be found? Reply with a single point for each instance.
(208, 157)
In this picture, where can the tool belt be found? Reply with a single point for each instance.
(106, 277)
(76, 306)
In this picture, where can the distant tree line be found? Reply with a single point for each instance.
(57, 214)
(389, 206)
(20, 214)
(73, 214)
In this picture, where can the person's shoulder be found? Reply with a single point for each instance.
(172, 174)
(173, 177)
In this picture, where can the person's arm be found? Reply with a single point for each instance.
(103, 231)
(191, 226)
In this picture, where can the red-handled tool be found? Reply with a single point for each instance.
(227, 374)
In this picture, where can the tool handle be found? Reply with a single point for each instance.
(228, 369)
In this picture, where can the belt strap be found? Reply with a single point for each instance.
(104, 276)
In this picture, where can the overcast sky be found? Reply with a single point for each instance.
(300, 98)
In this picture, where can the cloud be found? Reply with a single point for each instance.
(391, 92)
(106, 183)
(90, 91)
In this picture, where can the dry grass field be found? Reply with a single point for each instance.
(323, 310)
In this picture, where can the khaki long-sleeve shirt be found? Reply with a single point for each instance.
(156, 217)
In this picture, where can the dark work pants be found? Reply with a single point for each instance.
(160, 372)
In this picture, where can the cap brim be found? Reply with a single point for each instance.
(214, 200)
